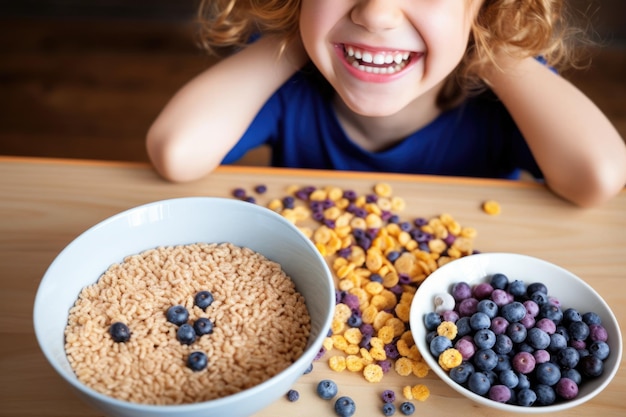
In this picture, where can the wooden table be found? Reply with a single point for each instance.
(45, 203)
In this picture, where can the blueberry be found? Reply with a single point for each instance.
(567, 357)
(119, 332)
(327, 389)
(309, 369)
(517, 332)
(571, 314)
(566, 389)
(499, 281)
(439, 344)
(485, 359)
(536, 287)
(591, 318)
(197, 361)
(600, 350)
(177, 315)
(389, 409)
(504, 363)
(432, 320)
(484, 339)
(578, 330)
(513, 312)
(557, 342)
(407, 408)
(376, 278)
(537, 338)
(499, 393)
(203, 326)
(504, 344)
(461, 290)
(526, 397)
(572, 374)
(480, 320)
(545, 394)
(261, 188)
(509, 378)
(460, 374)
(186, 334)
(539, 297)
(463, 326)
(524, 381)
(355, 320)
(591, 366)
(551, 311)
(517, 288)
(488, 307)
(293, 395)
(203, 299)
(478, 383)
(345, 407)
(547, 373)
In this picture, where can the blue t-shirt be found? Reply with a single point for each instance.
(477, 138)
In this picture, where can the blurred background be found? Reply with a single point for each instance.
(86, 78)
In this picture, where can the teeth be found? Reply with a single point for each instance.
(394, 61)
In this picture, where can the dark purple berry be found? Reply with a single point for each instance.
(293, 395)
(119, 332)
(177, 315)
(388, 396)
(203, 299)
(186, 334)
(203, 326)
(197, 361)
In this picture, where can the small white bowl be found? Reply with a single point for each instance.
(569, 289)
(176, 222)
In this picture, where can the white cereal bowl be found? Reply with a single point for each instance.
(567, 287)
(174, 222)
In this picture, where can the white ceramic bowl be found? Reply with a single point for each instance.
(174, 222)
(568, 288)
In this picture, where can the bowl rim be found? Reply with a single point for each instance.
(89, 393)
(443, 375)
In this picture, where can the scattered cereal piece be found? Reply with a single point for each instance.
(491, 207)
(404, 366)
(373, 373)
(407, 392)
(420, 392)
(450, 358)
(447, 329)
(337, 363)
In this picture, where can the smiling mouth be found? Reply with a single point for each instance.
(377, 62)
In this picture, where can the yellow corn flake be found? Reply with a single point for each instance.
(362, 295)
(380, 302)
(339, 342)
(321, 248)
(411, 245)
(344, 232)
(301, 213)
(380, 319)
(450, 358)
(373, 221)
(358, 223)
(318, 195)
(404, 366)
(403, 348)
(408, 338)
(420, 369)
(366, 356)
(407, 392)
(414, 353)
(332, 213)
(374, 261)
(353, 335)
(373, 208)
(385, 334)
(368, 315)
(463, 244)
(334, 193)
(354, 363)
(378, 353)
(306, 231)
(328, 343)
(337, 326)
(290, 216)
(344, 270)
(373, 373)
(322, 234)
(468, 232)
(292, 189)
(447, 329)
(384, 203)
(390, 279)
(420, 392)
(398, 204)
(437, 245)
(405, 263)
(342, 312)
(337, 363)
(377, 342)
(343, 220)
(383, 189)
(345, 285)
(403, 312)
(352, 349)
(275, 205)
(390, 298)
(491, 207)
(397, 326)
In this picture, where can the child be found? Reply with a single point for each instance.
(449, 87)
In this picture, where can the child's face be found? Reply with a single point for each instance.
(382, 55)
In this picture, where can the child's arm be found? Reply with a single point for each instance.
(207, 117)
(581, 154)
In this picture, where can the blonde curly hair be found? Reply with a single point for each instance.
(518, 28)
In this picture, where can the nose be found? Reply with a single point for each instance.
(376, 15)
